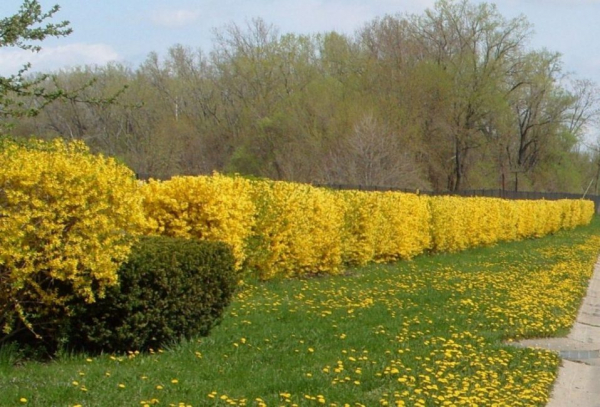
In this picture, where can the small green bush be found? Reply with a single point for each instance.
(170, 289)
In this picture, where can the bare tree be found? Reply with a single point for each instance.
(372, 155)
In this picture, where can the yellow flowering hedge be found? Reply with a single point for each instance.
(67, 218)
(360, 226)
(403, 226)
(384, 226)
(216, 208)
(460, 223)
(298, 230)
(282, 229)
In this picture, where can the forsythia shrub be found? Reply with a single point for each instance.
(461, 223)
(360, 226)
(586, 211)
(385, 226)
(216, 208)
(169, 289)
(402, 228)
(298, 230)
(578, 213)
(67, 218)
(282, 229)
(508, 215)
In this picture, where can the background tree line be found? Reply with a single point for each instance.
(450, 99)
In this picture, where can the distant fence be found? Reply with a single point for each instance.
(493, 193)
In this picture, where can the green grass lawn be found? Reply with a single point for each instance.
(422, 333)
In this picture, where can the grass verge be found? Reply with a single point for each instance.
(429, 332)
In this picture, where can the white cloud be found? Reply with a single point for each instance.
(174, 18)
(54, 58)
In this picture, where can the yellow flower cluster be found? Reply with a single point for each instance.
(461, 223)
(384, 226)
(297, 231)
(282, 229)
(65, 215)
(207, 208)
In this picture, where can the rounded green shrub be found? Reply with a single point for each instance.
(169, 289)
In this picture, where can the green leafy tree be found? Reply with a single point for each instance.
(453, 98)
(25, 30)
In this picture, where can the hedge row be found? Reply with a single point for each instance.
(281, 229)
(69, 218)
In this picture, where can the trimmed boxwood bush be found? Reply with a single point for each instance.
(169, 289)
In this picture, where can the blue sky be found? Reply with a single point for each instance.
(127, 30)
